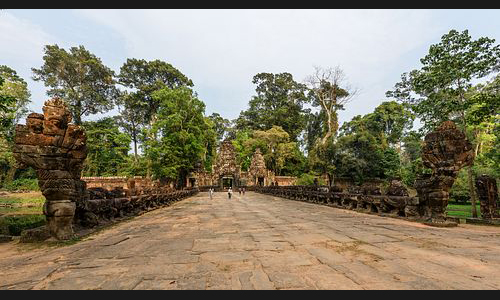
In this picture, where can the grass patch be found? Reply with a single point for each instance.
(30, 203)
(462, 210)
(13, 225)
(22, 184)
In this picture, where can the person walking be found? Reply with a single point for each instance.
(229, 192)
(211, 191)
(243, 191)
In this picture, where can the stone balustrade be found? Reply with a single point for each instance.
(390, 205)
(91, 212)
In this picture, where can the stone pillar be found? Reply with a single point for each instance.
(56, 150)
(487, 193)
(445, 151)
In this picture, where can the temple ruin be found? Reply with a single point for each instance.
(226, 172)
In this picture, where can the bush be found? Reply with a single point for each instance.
(308, 179)
(460, 190)
(22, 184)
(16, 224)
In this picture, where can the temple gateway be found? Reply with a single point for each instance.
(226, 172)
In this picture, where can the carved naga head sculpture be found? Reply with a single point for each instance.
(56, 150)
(446, 150)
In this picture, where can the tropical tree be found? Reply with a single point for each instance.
(107, 148)
(79, 78)
(331, 92)
(438, 90)
(220, 125)
(279, 102)
(144, 78)
(14, 98)
(131, 118)
(179, 135)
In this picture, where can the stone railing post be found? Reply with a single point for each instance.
(56, 150)
(446, 150)
(487, 193)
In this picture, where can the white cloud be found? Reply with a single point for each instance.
(21, 47)
(224, 49)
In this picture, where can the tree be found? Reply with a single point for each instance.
(392, 119)
(14, 98)
(145, 78)
(331, 92)
(142, 79)
(220, 125)
(282, 156)
(131, 117)
(276, 145)
(279, 102)
(79, 78)
(438, 91)
(180, 134)
(107, 148)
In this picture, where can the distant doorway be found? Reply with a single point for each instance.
(227, 182)
(260, 181)
(192, 182)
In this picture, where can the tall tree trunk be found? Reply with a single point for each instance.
(134, 139)
(470, 180)
(472, 191)
(77, 116)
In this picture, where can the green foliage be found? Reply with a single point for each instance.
(281, 155)
(180, 134)
(279, 102)
(437, 91)
(366, 145)
(243, 148)
(460, 190)
(79, 78)
(16, 224)
(107, 148)
(220, 126)
(310, 179)
(144, 78)
(132, 117)
(14, 97)
(22, 184)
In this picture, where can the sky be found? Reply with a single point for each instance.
(221, 50)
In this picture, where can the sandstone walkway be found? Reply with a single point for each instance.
(261, 242)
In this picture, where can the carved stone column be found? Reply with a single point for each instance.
(56, 150)
(445, 151)
(487, 193)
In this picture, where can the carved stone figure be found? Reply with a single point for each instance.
(445, 151)
(56, 150)
(487, 193)
(397, 188)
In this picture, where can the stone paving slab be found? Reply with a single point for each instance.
(260, 242)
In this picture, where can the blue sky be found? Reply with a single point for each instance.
(221, 50)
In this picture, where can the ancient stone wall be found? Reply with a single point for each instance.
(114, 182)
(285, 180)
